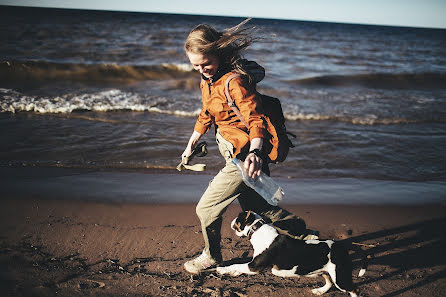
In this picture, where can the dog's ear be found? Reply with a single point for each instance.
(240, 222)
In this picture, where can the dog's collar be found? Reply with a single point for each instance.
(254, 227)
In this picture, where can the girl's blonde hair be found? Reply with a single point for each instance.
(226, 45)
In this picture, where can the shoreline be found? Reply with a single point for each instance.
(162, 186)
(80, 248)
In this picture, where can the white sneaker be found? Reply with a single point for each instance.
(200, 263)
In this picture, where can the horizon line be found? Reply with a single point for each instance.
(226, 16)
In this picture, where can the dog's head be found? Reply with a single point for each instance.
(243, 222)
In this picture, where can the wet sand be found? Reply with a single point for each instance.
(77, 248)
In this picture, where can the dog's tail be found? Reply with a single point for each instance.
(364, 264)
(362, 271)
(365, 258)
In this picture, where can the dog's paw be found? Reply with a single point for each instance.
(221, 270)
(235, 273)
(228, 270)
(319, 291)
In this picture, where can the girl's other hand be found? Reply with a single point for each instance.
(253, 165)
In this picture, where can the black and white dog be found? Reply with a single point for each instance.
(288, 257)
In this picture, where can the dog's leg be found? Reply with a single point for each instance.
(235, 269)
(331, 269)
(285, 273)
(325, 288)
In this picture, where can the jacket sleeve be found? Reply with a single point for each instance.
(204, 122)
(249, 106)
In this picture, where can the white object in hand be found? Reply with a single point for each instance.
(263, 184)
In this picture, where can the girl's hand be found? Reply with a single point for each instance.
(190, 147)
(185, 155)
(253, 165)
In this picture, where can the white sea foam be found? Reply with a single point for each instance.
(118, 100)
(369, 119)
(110, 100)
(179, 66)
(306, 117)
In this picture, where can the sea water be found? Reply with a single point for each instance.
(99, 90)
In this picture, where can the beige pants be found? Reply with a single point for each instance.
(227, 186)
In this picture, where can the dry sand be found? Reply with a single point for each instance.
(75, 248)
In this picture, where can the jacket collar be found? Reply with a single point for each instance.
(220, 72)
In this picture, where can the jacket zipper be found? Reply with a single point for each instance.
(210, 85)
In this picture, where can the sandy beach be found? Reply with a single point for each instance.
(79, 248)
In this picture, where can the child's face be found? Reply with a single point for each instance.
(207, 65)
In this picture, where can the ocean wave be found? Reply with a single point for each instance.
(118, 100)
(366, 120)
(105, 101)
(378, 80)
(37, 71)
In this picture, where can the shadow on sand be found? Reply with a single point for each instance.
(416, 246)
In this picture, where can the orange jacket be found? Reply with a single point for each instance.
(215, 110)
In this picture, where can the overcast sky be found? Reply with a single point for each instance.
(414, 13)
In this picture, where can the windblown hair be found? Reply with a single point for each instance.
(226, 45)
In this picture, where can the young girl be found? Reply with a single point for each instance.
(216, 55)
